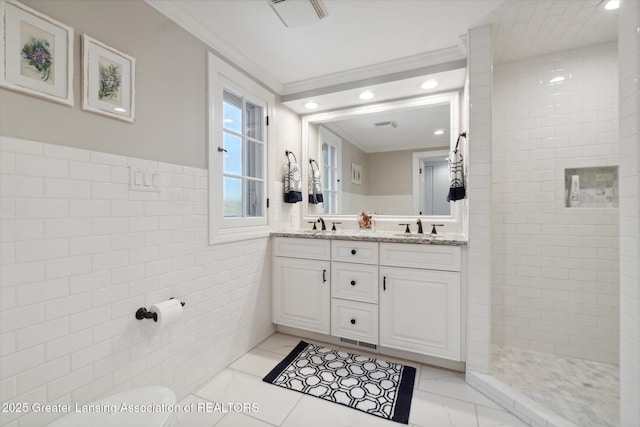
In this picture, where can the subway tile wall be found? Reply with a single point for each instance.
(479, 199)
(629, 102)
(81, 252)
(555, 269)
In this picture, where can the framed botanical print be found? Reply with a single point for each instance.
(108, 84)
(36, 53)
(356, 173)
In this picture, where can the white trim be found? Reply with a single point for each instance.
(220, 74)
(334, 115)
(408, 63)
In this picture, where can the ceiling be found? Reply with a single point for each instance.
(528, 28)
(414, 128)
(386, 46)
(365, 39)
(358, 39)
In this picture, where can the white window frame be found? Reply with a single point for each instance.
(222, 76)
(334, 140)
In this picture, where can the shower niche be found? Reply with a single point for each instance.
(591, 187)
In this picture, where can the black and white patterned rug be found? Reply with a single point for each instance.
(374, 386)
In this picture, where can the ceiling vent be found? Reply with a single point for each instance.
(296, 13)
(391, 123)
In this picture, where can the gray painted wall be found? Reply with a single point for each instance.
(171, 104)
(352, 154)
(390, 172)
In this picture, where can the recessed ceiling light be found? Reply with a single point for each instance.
(429, 84)
(557, 79)
(438, 132)
(367, 94)
(311, 105)
(612, 5)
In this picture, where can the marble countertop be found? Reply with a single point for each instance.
(376, 236)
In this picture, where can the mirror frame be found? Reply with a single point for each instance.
(453, 221)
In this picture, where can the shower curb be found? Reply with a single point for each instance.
(515, 402)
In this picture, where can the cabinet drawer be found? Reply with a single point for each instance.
(301, 248)
(360, 252)
(355, 320)
(354, 281)
(431, 257)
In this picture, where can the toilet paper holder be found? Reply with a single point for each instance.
(143, 313)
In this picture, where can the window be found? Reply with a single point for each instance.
(238, 154)
(330, 172)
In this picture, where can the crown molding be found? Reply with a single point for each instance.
(381, 69)
(173, 11)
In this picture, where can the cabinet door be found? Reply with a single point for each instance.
(302, 294)
(420, 311)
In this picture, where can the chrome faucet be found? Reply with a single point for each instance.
(419, 222)
(324, 227)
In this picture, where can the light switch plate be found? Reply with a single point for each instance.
(143, 179)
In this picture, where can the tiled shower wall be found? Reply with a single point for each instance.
(555, 269)
(629, 102)
(81, 253)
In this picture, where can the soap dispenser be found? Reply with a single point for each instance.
(574, 192)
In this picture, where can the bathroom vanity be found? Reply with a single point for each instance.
(394, 294)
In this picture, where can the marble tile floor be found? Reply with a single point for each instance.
(583, 392)
(441, 398)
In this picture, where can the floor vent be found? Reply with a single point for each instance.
(367, 345)
(359, 343)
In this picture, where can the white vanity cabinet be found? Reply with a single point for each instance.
(420, 299)
(354, 290)
(403, 299)
(302, 283)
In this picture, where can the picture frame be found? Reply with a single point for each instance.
(356, 173)
(36, 53)
(108, 80)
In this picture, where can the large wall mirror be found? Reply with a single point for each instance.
(388, 158)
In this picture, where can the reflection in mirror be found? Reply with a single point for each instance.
(388, 158)
(431, 170)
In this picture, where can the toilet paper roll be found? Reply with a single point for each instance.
(169, 312)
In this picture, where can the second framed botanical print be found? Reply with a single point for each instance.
(108, 85)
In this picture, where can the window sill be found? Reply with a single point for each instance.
(231, 235)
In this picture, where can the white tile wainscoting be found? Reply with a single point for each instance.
(81, 253)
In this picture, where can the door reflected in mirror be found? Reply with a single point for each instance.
(432, 169)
